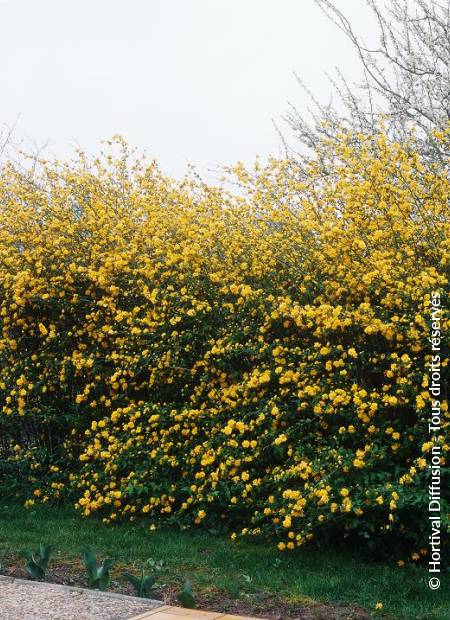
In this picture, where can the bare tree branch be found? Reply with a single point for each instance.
(407, 75)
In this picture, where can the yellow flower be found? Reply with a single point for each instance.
(174, 332)
(280, 439)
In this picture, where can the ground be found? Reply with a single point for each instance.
(239, 578)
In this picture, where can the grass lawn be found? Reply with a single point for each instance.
(257, 576)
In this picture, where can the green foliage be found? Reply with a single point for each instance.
(155, 565)
(186, 596)
(142, 583)
(37, 563)
(98, 576)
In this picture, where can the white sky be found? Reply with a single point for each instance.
(188, 80)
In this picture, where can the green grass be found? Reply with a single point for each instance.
(212, 562)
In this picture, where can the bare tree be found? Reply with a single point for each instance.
(407, 76)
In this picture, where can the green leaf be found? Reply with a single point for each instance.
(45, 552)
(90, 563)
(141, 584)
(35, 570)
(103, 582)
(148, 582)
(135, 581)
(103, 569)
(186, 597)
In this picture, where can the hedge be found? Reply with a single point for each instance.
(250, 357)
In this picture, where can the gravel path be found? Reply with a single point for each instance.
(30, 600)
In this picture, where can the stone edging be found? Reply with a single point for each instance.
(100, 593)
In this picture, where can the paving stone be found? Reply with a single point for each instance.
(169, 614)
(191, 613)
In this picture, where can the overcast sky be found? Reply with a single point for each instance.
(188, 80)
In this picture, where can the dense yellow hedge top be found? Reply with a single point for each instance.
(255, 357)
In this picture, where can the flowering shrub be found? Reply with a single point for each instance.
(253, 360)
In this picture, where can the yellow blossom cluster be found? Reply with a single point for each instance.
(254, 358)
